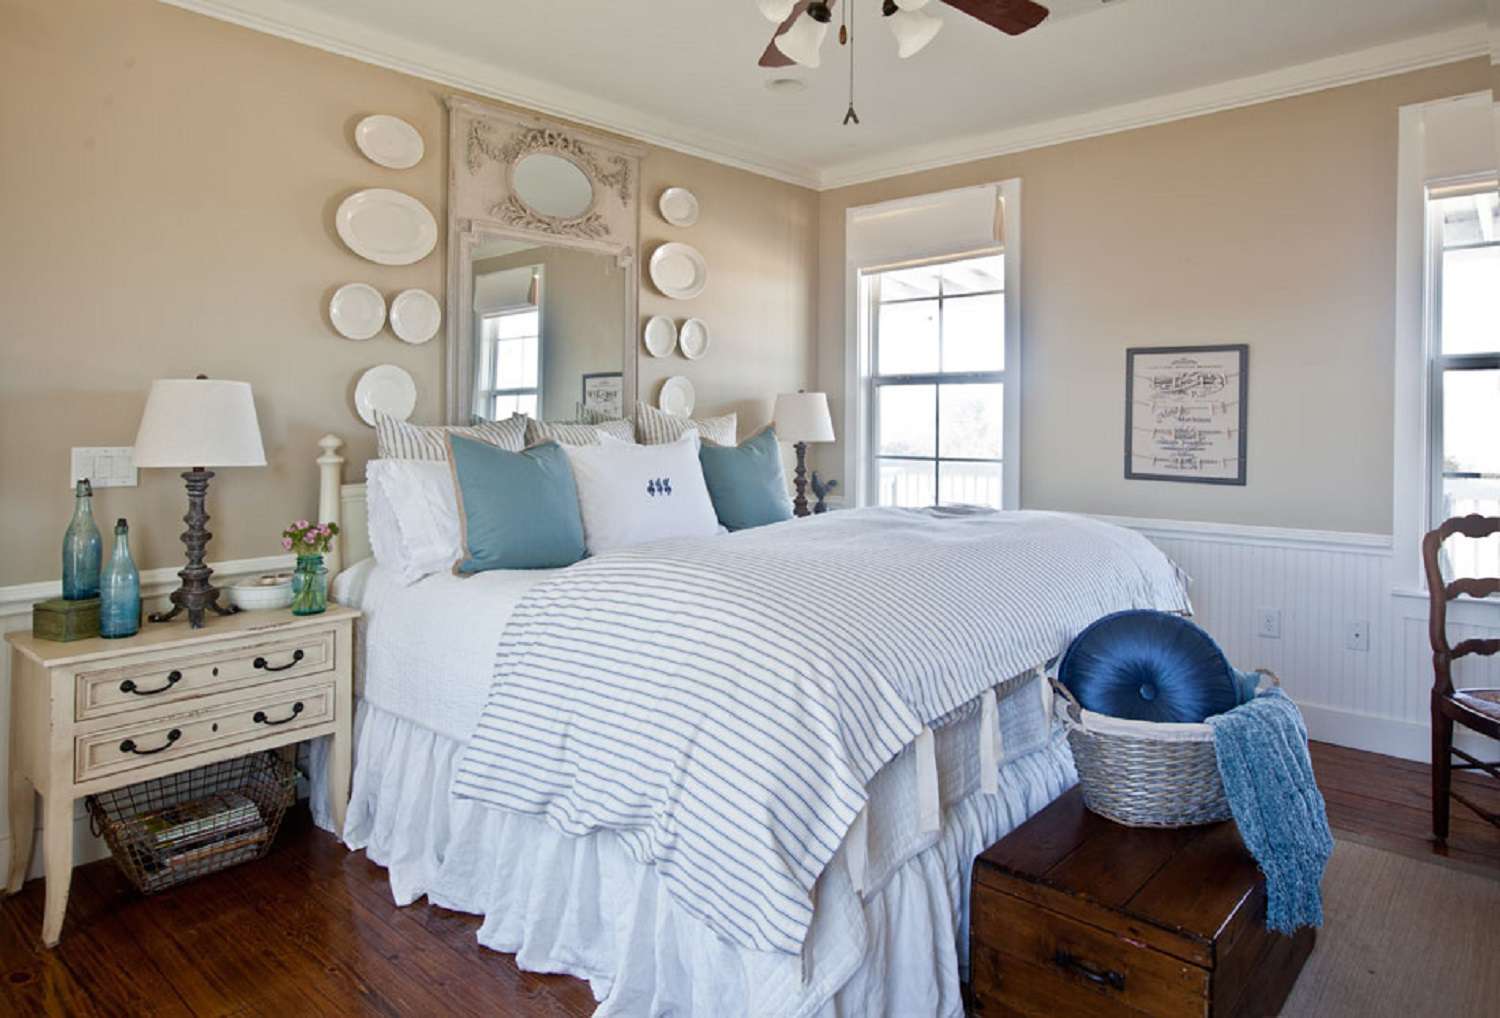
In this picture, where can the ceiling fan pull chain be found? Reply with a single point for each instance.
(846, 37)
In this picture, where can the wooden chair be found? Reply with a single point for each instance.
(1476, 709)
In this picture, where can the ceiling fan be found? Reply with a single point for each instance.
(803, 24)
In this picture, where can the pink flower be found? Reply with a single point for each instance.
(286, 543)
(300, 524)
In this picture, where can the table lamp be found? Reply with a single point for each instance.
(198, 423)
(800, 418)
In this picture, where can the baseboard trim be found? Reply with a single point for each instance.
(1241, 533)
(1409, 740)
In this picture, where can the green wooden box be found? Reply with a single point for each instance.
(63, 620)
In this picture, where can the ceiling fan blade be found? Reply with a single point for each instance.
(773, 57)
(1010, 16)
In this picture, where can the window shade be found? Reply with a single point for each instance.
(930, 226)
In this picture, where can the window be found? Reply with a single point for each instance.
(936, 382)
(508, 379)
(1464, 366)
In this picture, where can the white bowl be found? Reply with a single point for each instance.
(257, 596)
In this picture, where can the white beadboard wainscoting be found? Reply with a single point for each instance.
(1320, 582)
(15, 614)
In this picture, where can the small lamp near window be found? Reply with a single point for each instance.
(198, 423)
(800, 418)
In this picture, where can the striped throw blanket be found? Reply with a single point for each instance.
(720, 703)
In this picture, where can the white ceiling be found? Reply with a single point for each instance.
(683, 72)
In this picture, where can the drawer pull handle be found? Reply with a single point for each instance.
(129, 746)
(129, 686)
(261, 719)
(260, 663)
(1103, 977)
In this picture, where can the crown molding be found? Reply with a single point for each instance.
(432, 63)
(1463, 43)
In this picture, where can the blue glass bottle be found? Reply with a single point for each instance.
(82, 548)
(120, 589)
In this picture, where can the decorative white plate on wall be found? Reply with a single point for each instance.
(661, 336)
(679, 206)
(389, 141)
(388, 389)
(693, 341)
(678, 271)
(415, 316)
(386, 227)
(677, 396)
(357, 310)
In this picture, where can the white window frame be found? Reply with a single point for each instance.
(859, 416)
(484, 390)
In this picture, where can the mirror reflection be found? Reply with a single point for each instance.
(547, 326)
(552, 186)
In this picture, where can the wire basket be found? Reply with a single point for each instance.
(1145, 773)
(173, 829)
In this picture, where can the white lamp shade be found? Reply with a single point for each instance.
(803, 42)
(776, 10)
(912, 5)
(913, 31)
(199, 422)
(803, 417)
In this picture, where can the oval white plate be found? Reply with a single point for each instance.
(415, 316)
(389, 141)
(693, 341)
(679, 206)
(661, 336)
(386, 227)
(678, 271)
(357, 310)
(388, 389)
(677, 396)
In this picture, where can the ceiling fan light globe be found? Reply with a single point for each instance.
(913, 31)
(776, 11)
(803, 42)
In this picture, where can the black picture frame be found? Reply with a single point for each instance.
(584, 396)
(1242, 350)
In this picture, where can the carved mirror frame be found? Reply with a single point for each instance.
(485, 143)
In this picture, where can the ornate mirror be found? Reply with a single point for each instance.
(542, 234)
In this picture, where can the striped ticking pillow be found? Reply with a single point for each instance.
(398, 440)
(575, 433)
(656, 427)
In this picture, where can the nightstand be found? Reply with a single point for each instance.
(94, 715)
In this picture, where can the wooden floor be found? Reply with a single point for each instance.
(311, 930)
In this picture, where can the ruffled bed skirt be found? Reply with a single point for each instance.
(584, 907)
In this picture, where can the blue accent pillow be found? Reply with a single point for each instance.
(746, 481)
(1150, 666)
(516, 510)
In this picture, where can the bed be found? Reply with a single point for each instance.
(887, 925)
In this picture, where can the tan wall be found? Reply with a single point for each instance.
(1272, 225)
(169, 183)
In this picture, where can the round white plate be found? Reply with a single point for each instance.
(388, 389)
(357, 310)
(679, 206)
(386, 227)
(693, 342)
(661, 336)
(678, 271)
(677, 396)
(415, 316)
(389, 141)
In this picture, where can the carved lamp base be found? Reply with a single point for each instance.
(196, 596)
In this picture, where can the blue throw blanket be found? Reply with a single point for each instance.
(1268, 779)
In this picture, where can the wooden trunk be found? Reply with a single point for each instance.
(1074, 914)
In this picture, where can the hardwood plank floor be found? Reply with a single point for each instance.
(311, 930)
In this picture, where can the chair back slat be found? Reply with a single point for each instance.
(1483, 648)
(1440, 593)
(1473, 586)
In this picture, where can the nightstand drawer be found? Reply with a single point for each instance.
(166, 739)
(166, 679)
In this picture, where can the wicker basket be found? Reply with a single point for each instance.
(1142, 773)
(170, 830)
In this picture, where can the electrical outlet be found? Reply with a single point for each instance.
(1270, 623)
(104, 467)
(1357, 634)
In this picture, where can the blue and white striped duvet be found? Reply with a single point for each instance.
(720, 703)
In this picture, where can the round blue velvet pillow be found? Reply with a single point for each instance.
(1149, 666)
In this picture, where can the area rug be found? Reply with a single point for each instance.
(1401, 936)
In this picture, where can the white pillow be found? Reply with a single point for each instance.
(413, 515)
(630, 494)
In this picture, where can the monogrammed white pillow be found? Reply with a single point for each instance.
(630, 494)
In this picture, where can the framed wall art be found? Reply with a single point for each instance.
(605, 392)
(1185, 413)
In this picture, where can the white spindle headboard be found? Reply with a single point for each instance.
(343, 504)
